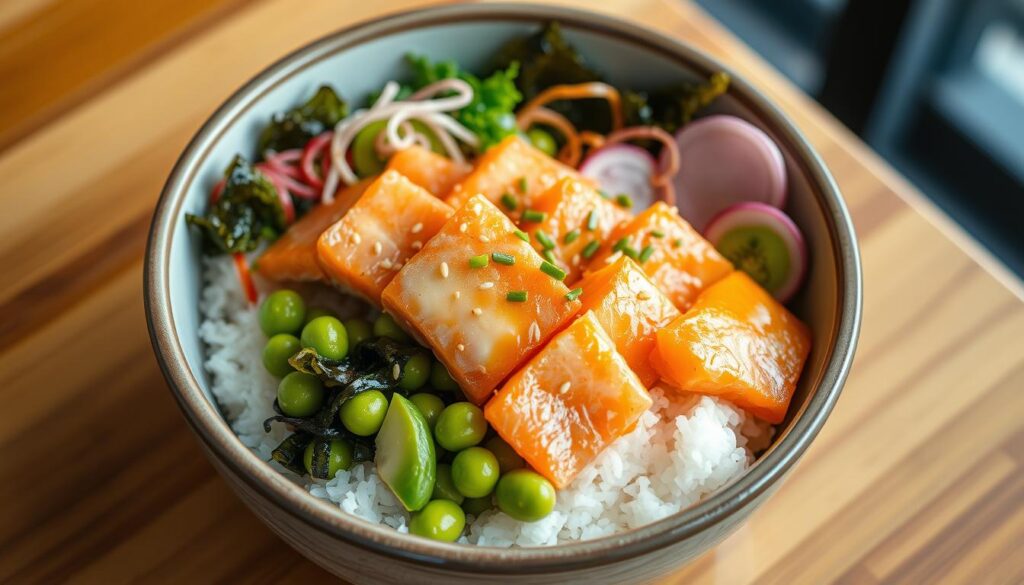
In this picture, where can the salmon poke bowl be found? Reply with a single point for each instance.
(513, 292)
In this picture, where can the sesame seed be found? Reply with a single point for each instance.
(460, 347)
(564, 387)
(377, 247)
(396, 371)
(477, 208)
(417, 228)
(463, 227)
(356, 238)
(386, 264)
(643, 295)
(613, 257)
(417, 245)
(485, 239)
(486, 285)
(457, 294)
(478, 311)
(444, 270)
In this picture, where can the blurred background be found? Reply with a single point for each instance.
(935, 86)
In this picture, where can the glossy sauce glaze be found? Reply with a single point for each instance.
(434, 172)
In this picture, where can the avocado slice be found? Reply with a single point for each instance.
(405, 458)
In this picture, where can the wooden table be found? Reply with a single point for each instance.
(917, 477)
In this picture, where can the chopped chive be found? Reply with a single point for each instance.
(501, 258)
(523, 185)
(646, 253)
(552, 270)
(592, 220)
(509, 202)
(571, 236)
(620, 245)
(534, 215)
(517, 296)
(631, 252)
(544, 239)
(574, 294)
(677, 242)
(478, 261)
(550, 257)
(657, 234)
(523, 236)
(623, 200)
(591, 249)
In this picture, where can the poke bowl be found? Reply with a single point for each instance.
(502, 292)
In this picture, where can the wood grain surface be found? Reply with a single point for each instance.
(918, 477)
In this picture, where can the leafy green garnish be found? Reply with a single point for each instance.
(675, 106)
(295, 127)
(491, 114)
(247, 212)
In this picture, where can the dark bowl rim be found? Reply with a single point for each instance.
(221, 442)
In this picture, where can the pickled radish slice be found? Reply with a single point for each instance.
(725, 160)
(763, 242)
(623, 168)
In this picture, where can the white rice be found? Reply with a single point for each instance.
(681, 450)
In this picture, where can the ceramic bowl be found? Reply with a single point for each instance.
(359, 60)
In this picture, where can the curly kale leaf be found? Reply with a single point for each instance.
(295, 127)
(247, 212)
(673, 107)
(491, 114)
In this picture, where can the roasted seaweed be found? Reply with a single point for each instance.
(672, 108)
(295, 127)
(247, 212)
(289, 453)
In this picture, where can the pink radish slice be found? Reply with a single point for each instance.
(725, 160)
(623, 168)
(764, 242)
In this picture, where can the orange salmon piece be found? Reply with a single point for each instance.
(631, 309)
(426, 168)
(503, 168)
(392, 220)
(293, 256)
(568, 206)
(570, 401)
(681, 262)
(462, 313)
(739, 343)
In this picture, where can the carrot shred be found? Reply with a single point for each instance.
(572, 151)
(578, 91)
(245, 277)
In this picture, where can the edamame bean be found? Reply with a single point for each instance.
(300, 394)
(507, 457)
(338, 458)
(439, 520)
(359, 330)
(460, 425)
(364, 413)
(327, 336)
(542, 141)
(430, 405)
(283, 311)
(525, 495)
(385, 326)
(440, 379)
(415, 372)
(444, 488)
(475, 472)
(276, 352)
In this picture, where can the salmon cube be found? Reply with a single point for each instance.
(631, 309)
(570, 401)
(464, 312)
(574, 216)
(392, 220)
(506, 168)
(293, 255)
(677, 259)
(429, 170)
(739, 343)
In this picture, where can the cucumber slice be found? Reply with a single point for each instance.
(405, 458)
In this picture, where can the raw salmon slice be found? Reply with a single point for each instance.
(464, 313)
(739, 343)
(569, 402)
(426, 168)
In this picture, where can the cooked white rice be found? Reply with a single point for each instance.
(680, 451)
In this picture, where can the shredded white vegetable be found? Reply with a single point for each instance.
(400, 133)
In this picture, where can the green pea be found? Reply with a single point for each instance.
(359, 330)
(507, 457)
(327, 336)
(460, 425)
(444, 488)
(415, 372)
(475, 471)
(300, 394)
(339, 457)
(439, 520)
(385, 326)
(364, 413)
(440, 379)
(317, 312)
(542, 141)
(283, 311)
(477, 506)
(525, 495)
(277, 351)
(430, 405)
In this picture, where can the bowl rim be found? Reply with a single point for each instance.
(224, 446)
